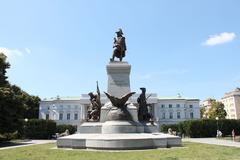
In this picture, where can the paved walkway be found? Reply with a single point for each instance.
(197, 140)
(214, 141)
(29, 143)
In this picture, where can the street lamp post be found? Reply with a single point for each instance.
(25, 127)
(218, 132)
(217, 123)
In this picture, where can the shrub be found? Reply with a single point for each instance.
(164, 128)
(39, 129)
(208, 127)
(62, 128)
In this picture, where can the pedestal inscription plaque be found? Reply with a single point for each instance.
(118, 78)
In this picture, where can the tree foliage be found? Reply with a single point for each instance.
(15, 104)
(4, 65)
(11, 110)
(217, 110)
(202, 112)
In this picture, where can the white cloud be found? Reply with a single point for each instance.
(28, 50)
(220, 38)
(12, 53)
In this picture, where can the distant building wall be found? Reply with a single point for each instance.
(62, 110)
(73, 110)
(175, 110)
(231, 101)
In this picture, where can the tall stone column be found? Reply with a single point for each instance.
(118, 78)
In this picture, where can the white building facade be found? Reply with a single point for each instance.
(165, 110)
(64, 110)
(231, 101)
(172, 110)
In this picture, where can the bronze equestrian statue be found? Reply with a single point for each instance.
(119, 46)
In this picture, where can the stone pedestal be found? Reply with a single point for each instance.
(115, 129)
(118, 78)
(118, 127)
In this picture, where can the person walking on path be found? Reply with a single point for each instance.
(233, 135)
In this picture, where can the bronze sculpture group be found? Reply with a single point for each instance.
(121, 112)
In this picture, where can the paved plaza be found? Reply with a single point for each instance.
(214, 141)
(28, 143)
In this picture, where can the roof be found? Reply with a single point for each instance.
(67, 98)
(176, 98)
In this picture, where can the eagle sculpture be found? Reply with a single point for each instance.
(119, 102)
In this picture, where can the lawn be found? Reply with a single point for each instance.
(190, 151)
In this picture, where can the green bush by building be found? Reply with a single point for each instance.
(204, 127)
(39, 129)
(62, 128)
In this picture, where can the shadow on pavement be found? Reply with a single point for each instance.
(9, 143)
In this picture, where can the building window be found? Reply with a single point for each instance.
(75, 116)
(69, 106)
(163, 115)
(162, 106)
(178, 105)
(61, 116)
(47, 116)
(178, 115)
(68, 116)
(171, 115)
(191, 115)
(190, 106)
(170, 105)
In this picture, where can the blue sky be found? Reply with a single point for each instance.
(62, 47)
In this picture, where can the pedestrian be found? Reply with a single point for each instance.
(233, 135)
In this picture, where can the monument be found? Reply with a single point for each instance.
(119, 123)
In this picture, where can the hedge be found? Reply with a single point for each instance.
(164, 128)
(62, 128)
(204, 127)
(39, 129)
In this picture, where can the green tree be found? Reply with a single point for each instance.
(217, 110)
(4, 65)
(11, 110)
(32, 107)
(202, 111)
(15, 104)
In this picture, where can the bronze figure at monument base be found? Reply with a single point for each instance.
(94, 113)
(143, 114)
(119, 108)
